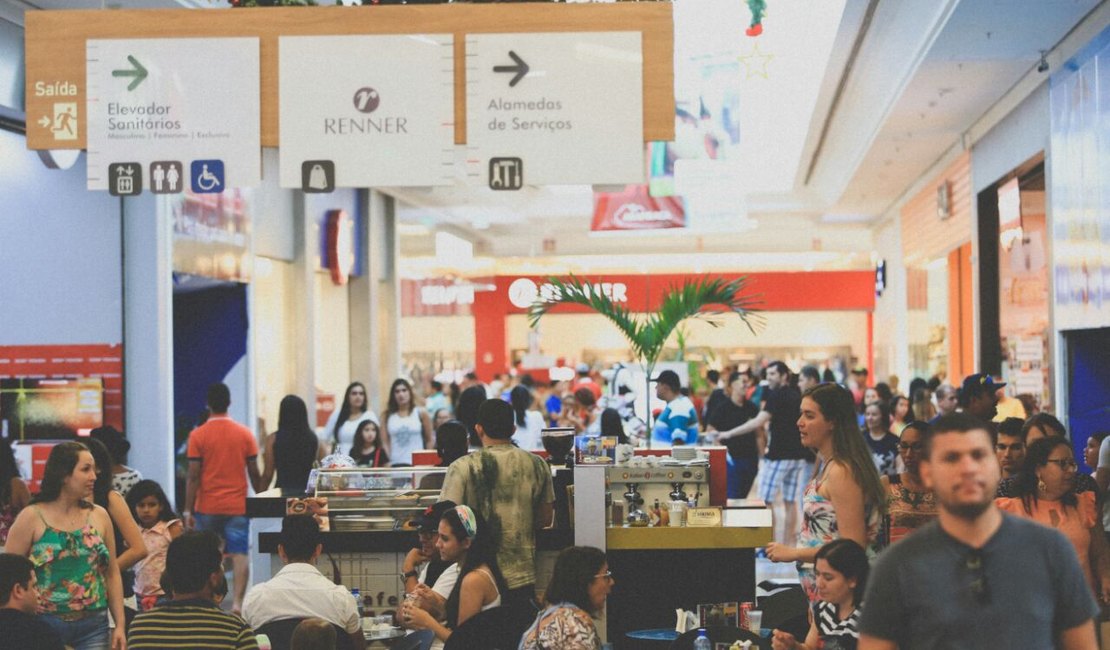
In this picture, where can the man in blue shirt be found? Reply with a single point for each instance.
(678, 423)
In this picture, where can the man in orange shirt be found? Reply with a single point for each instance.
(216, 489)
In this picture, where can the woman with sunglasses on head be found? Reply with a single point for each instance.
(910, 505)
(1045, 493)
(842, 568)
(576, 594)
(845, 498)
(464, 538)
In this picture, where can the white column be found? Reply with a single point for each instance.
(301, 309)
(375, 298)
(148, 337)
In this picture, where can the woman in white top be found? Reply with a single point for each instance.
(339, 432)
(529, 424)
(407, 426)
(465, 539)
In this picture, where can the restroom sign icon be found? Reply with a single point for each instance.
(506, 173)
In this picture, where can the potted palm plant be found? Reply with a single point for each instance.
(703, 298)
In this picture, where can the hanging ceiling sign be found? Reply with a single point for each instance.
(551, 109)
(380, 108)
(635, 209)
(170, 115)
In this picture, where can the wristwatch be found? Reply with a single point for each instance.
(409, 574)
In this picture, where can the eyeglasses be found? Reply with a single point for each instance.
(1063, 463)
(608, 575)
(916, 446)
(980, 590)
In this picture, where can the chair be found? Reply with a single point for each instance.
(720, 634)
(280, 633)
(785, 607)
(499, 628)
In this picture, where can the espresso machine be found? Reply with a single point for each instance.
(640, 487)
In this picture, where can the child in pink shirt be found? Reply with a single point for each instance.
(160, 526)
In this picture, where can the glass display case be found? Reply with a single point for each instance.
(377, 498)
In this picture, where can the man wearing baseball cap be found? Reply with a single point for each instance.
(979, 396)
(678, 423)
(422, 564)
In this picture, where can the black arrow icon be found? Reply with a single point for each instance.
(521, 68)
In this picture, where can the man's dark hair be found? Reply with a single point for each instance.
(496, 417)
(219, 397)
(780, 367)
(1012, 427)
(952, 423)
(191, 559)
(1045, 422)
(713, 376)
(528, 380)
(300, 534)
(451, 440)
(437, 386)
(14, 570)
(811, 372)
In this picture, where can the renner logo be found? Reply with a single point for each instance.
(447, 295)
(523, 292)
(634, 215)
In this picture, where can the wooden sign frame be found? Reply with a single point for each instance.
(55, 46)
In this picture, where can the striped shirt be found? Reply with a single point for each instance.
(834, 633)
(190, 624)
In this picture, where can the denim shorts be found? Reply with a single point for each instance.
(233, 529)
(89, 633)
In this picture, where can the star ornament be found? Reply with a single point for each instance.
(756, 62)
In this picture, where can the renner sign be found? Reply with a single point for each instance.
(523, 291)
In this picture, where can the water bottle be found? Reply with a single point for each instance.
(702, 642)
(358, 600)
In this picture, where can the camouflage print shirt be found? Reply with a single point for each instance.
(506, 485)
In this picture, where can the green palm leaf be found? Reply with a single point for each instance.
(703, 298)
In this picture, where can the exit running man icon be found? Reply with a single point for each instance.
(207, 176)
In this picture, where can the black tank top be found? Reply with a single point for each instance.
(294, 454)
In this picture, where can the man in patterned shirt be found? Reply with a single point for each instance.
(511, 488)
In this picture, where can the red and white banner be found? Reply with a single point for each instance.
(636, 209)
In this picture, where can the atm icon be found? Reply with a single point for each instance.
(506, 173)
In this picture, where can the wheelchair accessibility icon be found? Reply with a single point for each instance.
(207, 176)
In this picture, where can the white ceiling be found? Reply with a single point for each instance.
(924, 73)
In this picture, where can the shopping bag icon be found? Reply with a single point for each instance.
(317, 176)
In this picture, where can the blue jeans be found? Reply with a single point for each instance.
(90, 633)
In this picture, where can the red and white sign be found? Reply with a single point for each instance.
(636, 209)
(341, 246)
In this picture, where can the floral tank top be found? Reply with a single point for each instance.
(70, 567)
(819, 527)
(7, 518)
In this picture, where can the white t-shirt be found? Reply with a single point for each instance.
(528, 436)
(406, 435)
(299, 590)
(346, 431)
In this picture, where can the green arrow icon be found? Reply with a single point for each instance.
(139, 72)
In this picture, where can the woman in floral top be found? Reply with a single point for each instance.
(845, 498)
(579, 585)
(72, 545)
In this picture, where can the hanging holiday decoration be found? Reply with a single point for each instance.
(757, 7)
